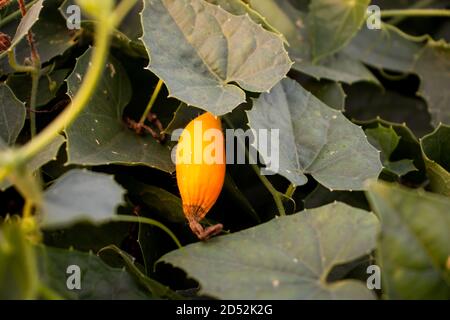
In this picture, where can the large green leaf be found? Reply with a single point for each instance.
(315, 139)
(12, 115)
(386, 140)
(286, 258)
(99, 135)
(18, 271)
(70, 199)
(199, 67)
(333, 23)
(98, 280)
(414, 244)
(436, 153)
(383, 49)
(292, 23)
(433, 68)
(338, 67)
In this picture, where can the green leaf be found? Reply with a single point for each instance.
(49, 84)
(99, 135)
(414, 244)
(321, 196)
(436, 154)
(12, 115)
(408, 148)
(315, 139)
(433, 68)
(86, 236)
(386, 140)
(292, 23)
(383, 49)
(333, 23)
(156, 199)
(338, 67)
(42, 157)
(285, 258)
(389, 49)
(330, 93)
(198, 67)
(18, 270)
(70, 199)
(182, 116)
(156, 288)
(98, 280)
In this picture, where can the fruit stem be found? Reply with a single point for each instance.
(290, 190)
(275, 194)
(151, 102)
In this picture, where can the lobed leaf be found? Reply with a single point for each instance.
(285, 258)
(314, 139)
(201, 50)
(99, 135)
(414, 244)
(81, 195)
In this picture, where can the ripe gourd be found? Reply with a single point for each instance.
(200, 170)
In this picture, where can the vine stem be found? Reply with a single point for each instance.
(151, 102)
(35, 76)
(125, 218)
(418, 5)
(290, 190)
(415, 13)
(271, 189)
(404, 35)
(12, 158)
(80, 100)
(274, 192)
(16, 66)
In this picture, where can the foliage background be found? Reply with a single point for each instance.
(357, 104)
